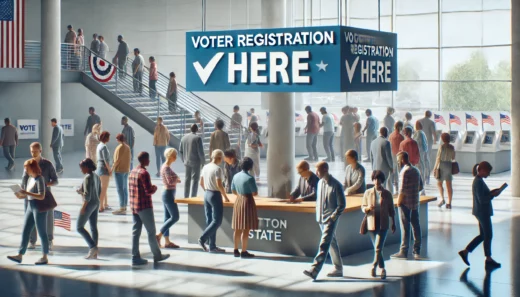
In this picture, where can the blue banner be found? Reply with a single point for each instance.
(306, 59)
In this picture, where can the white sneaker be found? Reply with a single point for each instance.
(92, 254)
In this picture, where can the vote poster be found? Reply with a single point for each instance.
(304, 59)
(68, 127)
(28, 129)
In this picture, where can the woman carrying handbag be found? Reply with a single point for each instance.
(378, 205)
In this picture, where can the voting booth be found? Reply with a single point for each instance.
(496, 140)
(467, 155)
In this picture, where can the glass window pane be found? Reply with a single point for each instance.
(370, 99)
(417, 95)
(462, 29)
(417, 30)
(497, 4)
(416, 6)
(217, 15)
(238, 14)
(477, 96)
(418, 64)
(368, 8)
(497, 27)
(386, 24)
(491, 63)
(462, 5)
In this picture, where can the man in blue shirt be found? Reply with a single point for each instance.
(328, 134)
(371, 126)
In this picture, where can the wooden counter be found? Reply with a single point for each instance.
(353, 203)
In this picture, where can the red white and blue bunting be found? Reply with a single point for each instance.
(102, 71)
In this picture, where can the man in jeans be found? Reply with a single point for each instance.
(137, 71)
(161, 138)
(121, 168)
(141, 191)
(192, 153)
(312, 129)
(152, 78)
(408, 202)
(57, 144)
(328, 134)
(211, 182)
(9, 141)
(129, 134)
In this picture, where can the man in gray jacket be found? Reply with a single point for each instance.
(120, 57)
(330, 204)
(9, 141)
(381, 156)
(192, 154)
(57, 144)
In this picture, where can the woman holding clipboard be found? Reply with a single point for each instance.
(483, 210)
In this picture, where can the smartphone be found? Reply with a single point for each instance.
(503, 187)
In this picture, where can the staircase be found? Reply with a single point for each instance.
(140, 108)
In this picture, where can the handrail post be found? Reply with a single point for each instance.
(158, 107)
(117, 78)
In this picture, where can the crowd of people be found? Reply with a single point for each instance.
(400, 157)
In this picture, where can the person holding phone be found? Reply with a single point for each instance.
(482, 210)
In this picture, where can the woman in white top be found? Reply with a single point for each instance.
(91, 143)
(34, 192)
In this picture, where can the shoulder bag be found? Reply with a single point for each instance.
(364, 227)
(455, 168)
(48, 202)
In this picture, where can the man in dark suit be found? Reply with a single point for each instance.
(381, 156)
(330, 204)
(305, 189)
(57, 144)
(192, 154)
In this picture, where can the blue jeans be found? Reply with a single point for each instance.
(409, 217)
(9, 152)
(378, 238)
(153, 88)
(90, 215)
(144, 217)
(192, 175)
(50, 224)
(214, 208)
(34, 217)
(328, 244)
(159, 156)
(171, 211)
(56, 152)
(122, 188)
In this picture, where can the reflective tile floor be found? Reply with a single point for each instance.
(190, 272)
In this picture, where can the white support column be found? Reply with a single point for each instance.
(515, 99)
(50, 70)
(280, 150)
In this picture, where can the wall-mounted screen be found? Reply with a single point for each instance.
(453, 136)
(470, 137)
(489, 137)
(506, 137)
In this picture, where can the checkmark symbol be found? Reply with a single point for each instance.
(205, 72)
(351, 69)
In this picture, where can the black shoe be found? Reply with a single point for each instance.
(217, 250)
(311, 273)
(236, 253)
(464, 256)
(246, 255)
(492, 264)
(203, 245)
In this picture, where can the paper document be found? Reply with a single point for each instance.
(16, 188)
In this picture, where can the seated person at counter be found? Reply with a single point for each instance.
(306, 187)
(354, 174)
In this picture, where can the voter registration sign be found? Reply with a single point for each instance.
(28, 129)
(305, 59)
(68, 127)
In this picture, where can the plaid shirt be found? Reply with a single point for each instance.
(141, 189)
(410, 184)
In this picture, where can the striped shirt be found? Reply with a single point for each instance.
(410, 184)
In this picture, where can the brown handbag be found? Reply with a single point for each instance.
(455, 168)
(364, 226)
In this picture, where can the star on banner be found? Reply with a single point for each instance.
(322, 66)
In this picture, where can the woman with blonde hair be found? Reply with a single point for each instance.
(171, 210)
(91, 143)
(442, 168)
(104, 170)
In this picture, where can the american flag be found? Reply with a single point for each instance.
(471, 119)
(439, 119)
(62, 219)
(298, 117)
(487, 119)
(12, 33)
(335, 117)
(505, 119)
(455, 119)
